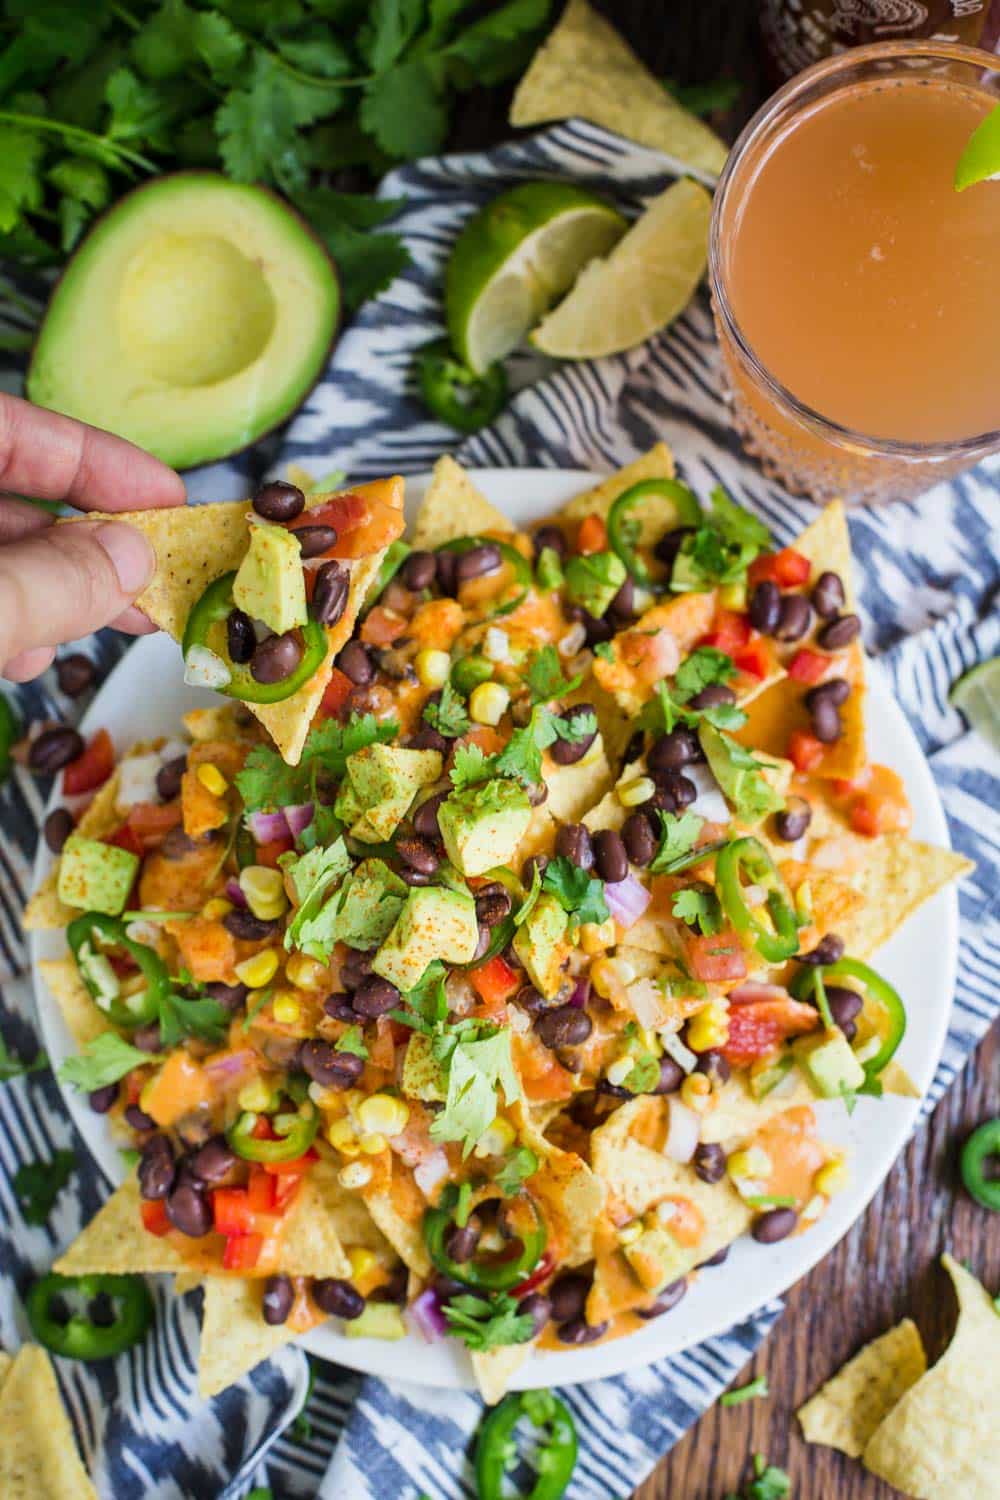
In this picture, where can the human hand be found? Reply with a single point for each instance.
(61, 582)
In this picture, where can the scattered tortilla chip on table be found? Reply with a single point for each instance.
(38, 1453)
(234, 1336)
(845, 1412)
(494, 1369)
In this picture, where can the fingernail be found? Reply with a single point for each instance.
(131, 555)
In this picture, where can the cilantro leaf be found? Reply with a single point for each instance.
(38, 1184)
(722, 549)
(678, 836)
(366, 262)
(403, 109)
(313, 927)
(704, 667)
(578, 892)
(103, 1061)
(706, 98)
(139, 111)
(182, 1015)
(427, 1000)
(267, 782)
(740, 776)
(391, 26)
(20, 184)
(477, 1067)
(699, 909)
(448, 716)
(13, 1067)
(470, 765)
(517, 1168)
(545, 676)
(605, 650)
(352, 1041)
(483, 1325)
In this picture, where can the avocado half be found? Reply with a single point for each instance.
(197, 314)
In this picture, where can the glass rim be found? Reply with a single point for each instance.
(825, 427)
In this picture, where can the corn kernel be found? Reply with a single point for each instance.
(696, 1092)
(264, 890)
(733, 596)
(304, 972)
(259, 970)
(488, 703)
(432, 668)
(383, 1114)
(255, 1096)
(357, 1174)
(604, 977)
(496, 1138)
(751, 1165)
(596, 937)
(362, 1262)
(217, 908)
(630, 1233)
(374, 1144)
(341, 1136)
(709, 1028)
(619, 1070)
(212, 779)
(285, 1008)
(832, 1178)
(638, 790)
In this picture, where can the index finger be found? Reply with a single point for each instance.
(53, 457)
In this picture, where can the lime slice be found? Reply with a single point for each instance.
(981, 157)
(645, 282)
(514, 259)
(977, 698)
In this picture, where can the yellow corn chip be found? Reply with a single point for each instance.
(572, 1195)
(207, 724)
(5, 1367)
(38, 1454)
(585, 68)
(99, 817)
(572, 789)
(234, 1336)
(84, 1019)
(897, 875)
(404, 1235)
(658, 463)
(453, 507)
(845, 1412)
(939, 1441)
(494, 1369)
(737, 1114)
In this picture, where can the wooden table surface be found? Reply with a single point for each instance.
(887, 1267)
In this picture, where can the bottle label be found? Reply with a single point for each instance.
(800, 32)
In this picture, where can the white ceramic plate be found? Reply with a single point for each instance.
(145, 696)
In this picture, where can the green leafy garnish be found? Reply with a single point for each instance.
(521, 757)
(768, 1483)
(352, 1041)
(678, 836)
(578, 892)
(38, 1184)
(517, 1168)
(266, 782)
(605, 650)
(703, 668)
(740, 775)
(103, 1061)
(13, 1067)
(721, 550)
(482, 1324)
(545, 676)
(449, 716)
(183, 1015)
(313, 875)
(478, 1061)
(705, 98)
(698, 909)
(470, 765)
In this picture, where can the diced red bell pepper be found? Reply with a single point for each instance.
(297, 1168)
(808, 666)
(788, 569)
(92, 768)
(805, 751)
(716, 958)
(154, 1217)
(496, 981)
(754, 659)
(592, 535)
(285, 1189)
(260, 1191)
(242, 1252)
(538, 1275)
(730, 631)
(234, 1214)
(269, 854)
(126, 837)
(757, 1028)
(335, 696)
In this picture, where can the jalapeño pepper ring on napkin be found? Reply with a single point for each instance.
(77, 1336)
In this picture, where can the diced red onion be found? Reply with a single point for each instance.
(234, 893)
(627, 900)
(683, 1131)
(429, 1317)
(229, 1064)
(267, 827)
(298, 817)
(580, 995)
(432, 1171)
(746, 994)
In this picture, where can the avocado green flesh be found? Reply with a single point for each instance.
(196, 315)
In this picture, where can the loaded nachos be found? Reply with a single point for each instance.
(501, 1004)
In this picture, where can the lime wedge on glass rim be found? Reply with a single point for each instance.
(977, 698)
(981, 158)
(515, 257)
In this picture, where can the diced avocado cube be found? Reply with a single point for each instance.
(483, 825)
(347, 805)
(270, 584)
(373, 898)
(765, 1076)
(743, 780)
(594, 579)
(657, 1259)
(422, 1077)
(380, 785)
(433, 923)
(95, 876)
(380, 1320)
(829, 1063)
(540, 944)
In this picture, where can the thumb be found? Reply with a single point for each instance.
(66, 581)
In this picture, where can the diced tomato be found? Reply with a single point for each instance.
(592, 535)
(125, 838)
(872, 815)
(787, 568)
(233, 1215)
(300, 1166)
(538, 1275)
(758, 1027)
(154, 1217)
(92, 768)
(754, 659)
(381, 626)
(717, 958)
(495, 981)
(805, 751)
(242, 1252)
(335, 696)
(149, 821)
(260, 1191)
(364, 523)
(268, 854)
(285, 1189)
(808, 666)
(730, 631)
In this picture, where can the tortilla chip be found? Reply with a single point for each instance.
(571, 1193)
(585, 68)
(99, 817)
(454, 507)
(84, 1019)
(845, 1412)
(737, 1114)
(658, 463)
(187, 1281)
(898, 875)
(404, 1237)
(208, 724)
(574, 789)
(38, 1454)
(234, 1336)
(495, 1369)
(896, 1080)
(939, 1441)
(5, 1367)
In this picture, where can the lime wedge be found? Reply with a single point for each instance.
(514, 258)
(981, 157)
(977, 698)
(645, 282)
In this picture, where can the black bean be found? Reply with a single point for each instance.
(447, 1287)
(74, 674)
(156, 1168)
(328, 1067)
(709, 1162)
(673, 751)
(176, 844)
(483, 942)
(462, 1242)
(446, 569)
(828, 595)
(714, 1065)
(232, 997)
(138, 1118)
(712, 696)
(568, 1296)
(537, 1307)
(531, 864)
(214, 1160)
(58, 827)
(169, 777)
(189, 1211)
(568, 752)
(374, 997)
(574, 843)
(670, 543)
(563, 1026)
(425, 819)
(355, 662)
(579, 1332)
(339, 1008)
(621, 611)
(674, 791)
(597, 629)
(241, 923)
(717, 1259)
(241, 640)
(418, 853)
(634, 748)
(845, 1005)
(826, 725)
(569, 1060)
(493, 904)
(356, 966)
(835, 690)
(315, 540)
(774, 1225)
(276, 658)
(427, 738)
(839, 632)
(413, 877)
(613, 1090)
(765, 607)
(276, 1303)
(329, 599)
(668, 1298)
(828, 950)
(148, 1038)
(418, 571)
(338, 1299)
(795, 618)
(477, 562)
(395, 1289)
(610, 858)
(639, 838)
(672, 1075)
(101, 1100)
(530, 1000)
(53, 749)
(793, 820)
(279, 501)
(552, 537)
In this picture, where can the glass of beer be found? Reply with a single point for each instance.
(856, 293)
